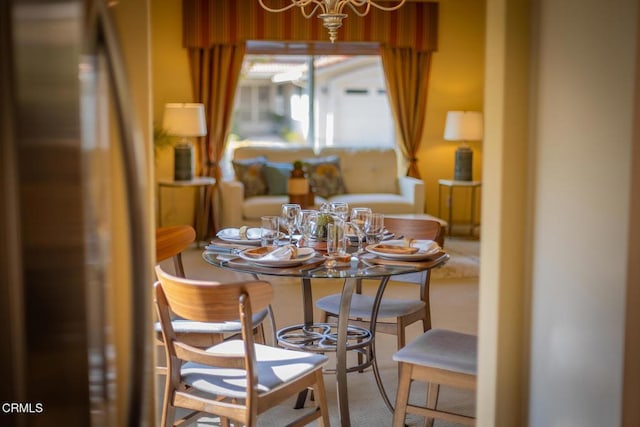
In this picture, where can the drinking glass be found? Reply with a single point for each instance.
(339, 209)
(307, 225)
(358, 219)
(336, 242)
(268, 230)
(374, 227)
(288, 217)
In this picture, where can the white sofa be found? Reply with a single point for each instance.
(370, 177)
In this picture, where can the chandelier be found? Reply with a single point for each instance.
(331, 10)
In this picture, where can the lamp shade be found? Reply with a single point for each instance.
(184, 119)
(463, 126)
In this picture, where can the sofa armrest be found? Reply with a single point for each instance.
(412, 189)
(231, 199)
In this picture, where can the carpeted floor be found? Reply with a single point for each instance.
(464, 262)
(454, 305)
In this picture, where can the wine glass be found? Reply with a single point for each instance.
(340, 209)
(306, 224)
(358, 219)
(289, 216)
(325, 208)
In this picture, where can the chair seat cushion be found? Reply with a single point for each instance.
(367, 170)
(386, 203)
(276, 366)
(183, 326)
(255, 207)
(442, 349)
(361, 306)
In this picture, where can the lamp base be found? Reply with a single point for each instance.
(464, 164)
(184, 162)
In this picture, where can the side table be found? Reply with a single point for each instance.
(450, 183)
(202, 209)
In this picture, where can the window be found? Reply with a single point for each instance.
(347, 105)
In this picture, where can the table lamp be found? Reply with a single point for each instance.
(185, 120)
(463, 126)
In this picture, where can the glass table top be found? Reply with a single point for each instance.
(363, 266)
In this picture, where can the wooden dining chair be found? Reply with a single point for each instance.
(437, 357)
(404, 312)
(236, 379)
(171, 241)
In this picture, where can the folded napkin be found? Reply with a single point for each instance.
(408, 247)
(396, 249)
(425, 246)
(242, 233)
(281, 253)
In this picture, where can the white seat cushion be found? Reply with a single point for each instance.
(367, 170)
(255, 207)
(385, 203)
(276, 366)
(184, 326)
(361, 306)
(442, 349)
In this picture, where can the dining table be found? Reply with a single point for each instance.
(339, 337)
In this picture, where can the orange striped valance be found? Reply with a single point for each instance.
(209, 22)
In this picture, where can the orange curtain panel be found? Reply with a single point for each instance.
(214, 75)
(407, 74)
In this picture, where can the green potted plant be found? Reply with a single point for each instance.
(324, 219)
(161, 139)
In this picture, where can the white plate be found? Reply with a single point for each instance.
(232, 235)
(304, 254)
(429, 248)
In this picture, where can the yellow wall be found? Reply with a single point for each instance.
(171, 83)
(456, 82)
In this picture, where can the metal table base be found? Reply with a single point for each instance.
(341, 340)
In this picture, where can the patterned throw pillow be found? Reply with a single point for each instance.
(249, 172)
(277, 177)
(325, 175)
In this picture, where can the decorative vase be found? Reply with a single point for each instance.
(184, 162)
(298, 186)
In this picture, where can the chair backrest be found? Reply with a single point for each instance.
(419, 229)
(416, 229)
(171, 241)
(208, 301)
